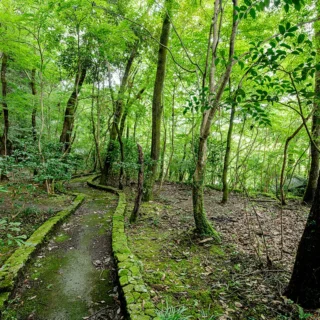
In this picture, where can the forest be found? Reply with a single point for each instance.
(159, 159)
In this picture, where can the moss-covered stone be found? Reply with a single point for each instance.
(17, 261)
(130, 278)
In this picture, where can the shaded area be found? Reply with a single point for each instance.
(73, 277)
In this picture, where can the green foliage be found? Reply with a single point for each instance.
(303, 315)
(173, 313)
(10, 233)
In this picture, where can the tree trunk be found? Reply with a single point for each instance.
(66, 134)
(304, 287)
(118, 109)
(137, 203)
(96, 129)
(127, 110)
(216, 88)
(283, 169)
(314, 167)
(157, 105)
(227, 157)
(164, 149)
(34, 110)
(172, 138)
(5, 145)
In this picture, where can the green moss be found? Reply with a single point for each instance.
(62, 237)
(130, 269)
(4, 296)
(217, 250)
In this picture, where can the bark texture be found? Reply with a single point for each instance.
(315, 157)
(157, 106)
(225, 189)
(135, 212)
(67, 129)
(34, 110)
(118, 110)
(5, 148)
(203, 227)
(304, 286)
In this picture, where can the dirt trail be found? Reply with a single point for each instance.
(73, 276)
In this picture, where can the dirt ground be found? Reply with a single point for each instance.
(228, 281)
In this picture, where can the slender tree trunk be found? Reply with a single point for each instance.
(95, 129)
(135, 127)
(34, 110)
(127, 109)
(203, 227)
(5, 145)
(118, 110)
(157, 105)
(137, 203)
(67, 129)
(315, 157)
(237, 167)
(227, 157)
(182, 169)
(164, 149)
(172, 138)
(284, 163)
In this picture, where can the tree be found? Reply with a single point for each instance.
(5, 144)
(118, 111)
(315, 156)
(157, 103)
(303, 287)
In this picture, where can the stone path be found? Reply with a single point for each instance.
(73, 277)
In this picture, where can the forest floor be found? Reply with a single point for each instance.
(28, 206)
(73, 277)
(228, 281)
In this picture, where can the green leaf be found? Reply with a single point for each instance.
(301, 38)
(282, 29)
(252, 13)
(293, 29)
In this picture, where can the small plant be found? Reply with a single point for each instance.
(172, 313)
(207, 314)
(156, 221)
(28, 211)
(9, 233)
(303, 315)
(50, 212)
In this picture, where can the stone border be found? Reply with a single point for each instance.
(14, 265)
(138, 302)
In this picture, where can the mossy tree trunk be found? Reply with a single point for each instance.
(135, 212)
(157, 106)
(67, 129)
(118, 110)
